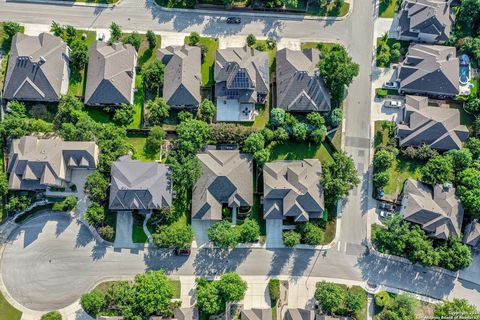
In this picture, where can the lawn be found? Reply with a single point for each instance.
(292, 150)
(104, 286)
(390, 42)
(315, 9)
(137, 141)
(7, 311)
(145, 54)
(138, 235)
(98, 114)
(387, 9)
(77, 83)
(138, 102)
(209, 60)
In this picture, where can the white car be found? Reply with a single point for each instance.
(393, 104)
(391, 85)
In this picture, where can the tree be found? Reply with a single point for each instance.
(473, 144)
(208, 297)
(70, 202)
(336, 117)
(381, 179)
(93, 302)
(291, 238)
(68, 111)
(192, 135)
(194, 38)
(447, 308)
(318, 135)
(299, 131)
(11, 28)
(17, 108)
(223, 234)
(95, 214)
(420, 249)
(468, 189)
(355, 299)
(185, 170)
(280, 134)
(115, 32)
(267, 135)
(339, 177)
(3, 184)
(57, 29)
(277, 117)
(330, 297)
(383, 159)
(107, 233)
(96, 187)
(152, 39)
(468, 18)
(124, 114)
(78, 54)
(232, 287)
(393, 239)
(311, 233)
(154, 140)
(274, 289)
(249, 231)
(134, 39)
(438, 170)
(316, 119)
(158, 111)
(382, 299)
(52, 315)
(153, 293)
(254, 143)
(17, 204)
(262, 156)
(454, 255)
(251, 40)
(84, 128)
(152, 76)
(174, 236)
(461, 159)
(112, 141)
(121, 295)
(184, 116)
(207, 111)
(338, 70)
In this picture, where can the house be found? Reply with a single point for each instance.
(109, 317)
(180, 314)
(300, 88)
(111, 74)
(256, 314)
(472, 234)
(438, 211)
(138, 185)
(37, 69)
(427, 21)
(227, 180)
(430, 70)
(306, 314)
(37, 164)
(242, 80)
(182, 76)
(292, 190)
(437, 127)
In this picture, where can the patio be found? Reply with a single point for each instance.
(233, 110)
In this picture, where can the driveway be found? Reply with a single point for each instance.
(123, 233)
(274, 233)
(200, 227)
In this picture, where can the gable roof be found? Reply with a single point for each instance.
(299, 84)
(256, 314)
(437, 211)
(241, 72)
(34, 163)
(111, 74)
(430, 69)
(227, 178)
(140, 185)
(430, 17)
(292, 188)
(472, 234)
(37, 68)
(436, 126)
(182, 75)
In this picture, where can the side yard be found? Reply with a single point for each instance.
(77, 81)
(209, 46)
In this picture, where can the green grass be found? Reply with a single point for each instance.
(7, 311)
(138, 235)
(209, 59)
(381, 136)
(315, 9)
(104, 286)
(77, 83)
(138, 102)
(292, 150)
(387, 10)
(98, 114)
(390, 42)
(137, 141)
(5, 45)
(401, 170)
(465, 118)
(145, 54)
(177, 288)
(111, 220)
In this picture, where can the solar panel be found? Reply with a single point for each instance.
(240, 81)
(231, 94)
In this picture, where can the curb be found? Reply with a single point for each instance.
(70, 3)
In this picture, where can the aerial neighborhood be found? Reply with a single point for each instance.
(256, 161)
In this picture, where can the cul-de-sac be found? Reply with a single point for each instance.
(239, 159)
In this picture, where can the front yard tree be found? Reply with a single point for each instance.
(355, 300)
(251, 40)
(158, 111)
(95, 214)
(249, 231)
(152, 76)
(115, 32)
(207, 111)
(438, 170)
(78, 54)
(223, 235)
(208, 297)
(152, 39)
(96, 187)
(232, 287)
(447, 308)
(11, 28)
(194, 38)
(93, 302)
(454, 255)
(381, 179)
(330, 297)
(57, 29)
(134, 39)
(153, 293)
(175, 236)
(383, 159)
(311, 233)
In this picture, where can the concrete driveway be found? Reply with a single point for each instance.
(123, 234)
(200, 227)
(274, 233)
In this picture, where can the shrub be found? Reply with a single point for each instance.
(381, 93)
(249, 231)
(277, 117)
(382, 299)
(194, 38)
(291, 238)
(381, 179)
(70, 202)
(299, 132)
(152, 39)
(251, 40)
(280, 134)
(107, 233)
(11, 28)
(311, 233)
(95, 214)
(222, 234)
(336, 117)
(274, 289)
(93, 302)
(52, 315)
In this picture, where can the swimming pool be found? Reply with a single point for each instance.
(464, 74)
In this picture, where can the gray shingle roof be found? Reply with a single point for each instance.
(34, 163)
(292, 189)
(306, 314)
(37, 68)
(430, 69)
(256, 314)
(426, 19)
(190, 313)
(438, 127)
(472, 234)
(438, 211)
(299, 84)
(227, 178)
(111, 74)
(182, 75)
(242, 72)
(140, 185)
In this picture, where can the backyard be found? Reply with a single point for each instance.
(208, 60)
(137, 141)
(292, 150)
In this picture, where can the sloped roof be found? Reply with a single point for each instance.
(256, 314)
(37, 163)
(430, 69)
(227, 178)
(437, 211)
(182, 75)
(111, 74)
(438, 127)
(140, 185)
(36, 68)
(243, 70)
(292, 188)
(299, 84)
(190, 313)
(472, 234)
(430, 17)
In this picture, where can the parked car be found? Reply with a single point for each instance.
(391, 85)
(101, 36)
(182, 252)
(386, 206)
(234, 20)
(393, 103)
(384, 214)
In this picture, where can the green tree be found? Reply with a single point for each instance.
(208, 297)
(382, 299)
(17, 108)
(68, 111)
(207, 111)
(158, 111)
(280, 134)
(277, 117)
(420, 249)
(381, 179)
(134, 39)
(174, 236)
(316, 119)
(152, 39)
(115, 32)
(355, 299)
(274, 289)
(461, 159)
(468, 18)
(17, 204)
(184, 116)
(96, 187)
(454, 255)
(262, 156)
(251, 40)
(447, 308)
(232, 287)
(154, 140)
(254, 143)
(52, 315)
(438, 170)
(84, 128)
(192, 135)
(311, 233)
(194, 38)
(267, 134)
(339, 177)
(11, 28)
(383, 159)
(393, 239)
(186, 170)
(93, 302)
(95, 214)
(338, 70)
(468, 189)
(3, 184)
(299, 131)
(330, 297)
(57, 29)
(291, 238)
(152, 76)
(336, 117)
(124, 114)
(223, 234)
(107, 233)
(70, 202)
(121, 295)
(318, 135)
(78, 54)
(153, 293)
(249, 231)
